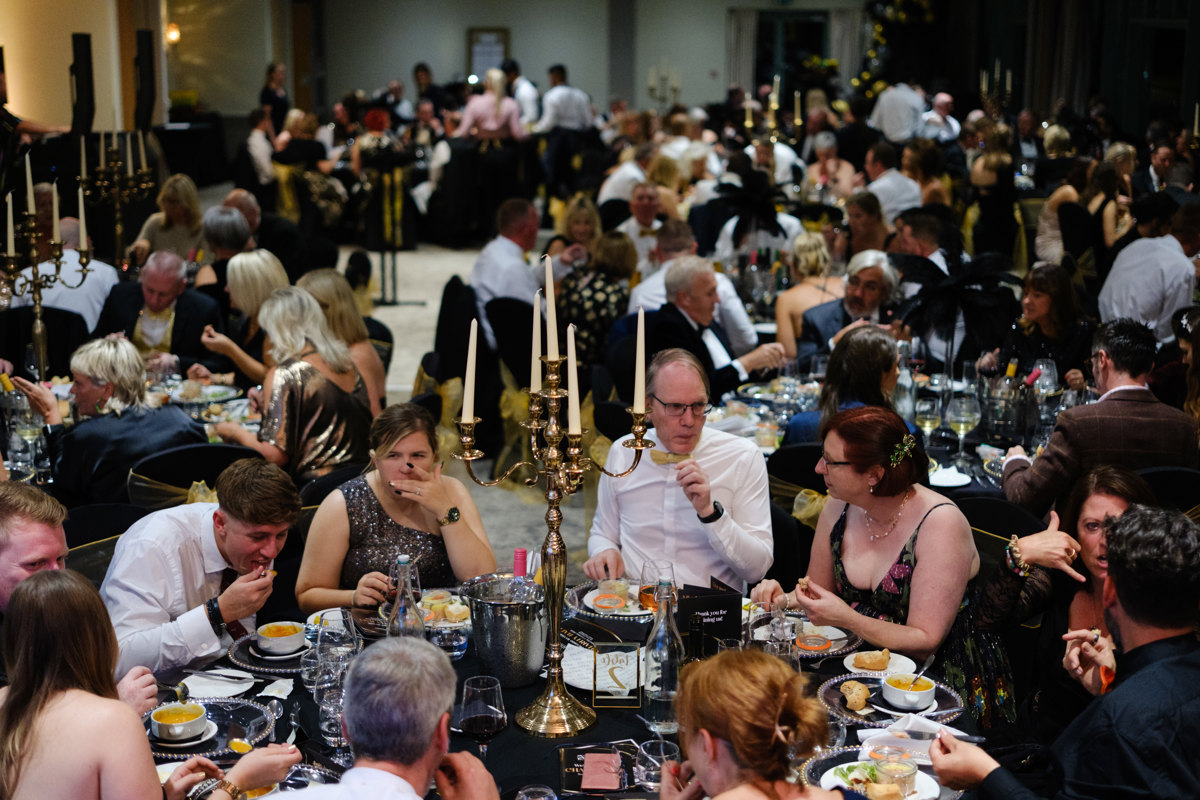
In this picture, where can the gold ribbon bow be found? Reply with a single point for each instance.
(647, 232)
(660, 457)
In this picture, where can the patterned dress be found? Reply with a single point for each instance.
(974, 664)
(376, 539)
(593, 302)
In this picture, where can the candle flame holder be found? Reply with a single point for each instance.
(555, 712)
(26, 241)
(112, 185)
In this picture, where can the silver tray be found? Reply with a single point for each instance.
(235, 719)
(812, 769)
(949, 704)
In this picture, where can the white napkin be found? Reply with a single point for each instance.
(281, 688)
(894, 735)
(202, 686)
(949, 476)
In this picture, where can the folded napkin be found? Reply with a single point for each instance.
(895, 735)
(281, 688)
(202, 686)
(949, 476)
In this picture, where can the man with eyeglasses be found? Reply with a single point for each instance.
(698, 500)
(870, 284)
(1127, 426)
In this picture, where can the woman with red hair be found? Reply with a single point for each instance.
(891, 559)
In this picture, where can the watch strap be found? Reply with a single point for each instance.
(718, 512)
(233, 789)
(452, 516)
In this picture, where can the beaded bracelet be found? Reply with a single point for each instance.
(1012, 556)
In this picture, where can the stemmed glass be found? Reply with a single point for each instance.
(482, 711)
(962, 415)
(928, 416)
(31, 363)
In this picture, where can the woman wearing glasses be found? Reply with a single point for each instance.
(892, 559)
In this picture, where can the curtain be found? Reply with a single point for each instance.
(846, 42)
(1060, 46)
(741, 29)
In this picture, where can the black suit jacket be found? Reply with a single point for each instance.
(192, 312)
(818, 326)
(669, 328)
(1140, 183)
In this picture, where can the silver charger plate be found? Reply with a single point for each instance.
(949, 705)
(812, 769)
(235, 718)
(241, 655)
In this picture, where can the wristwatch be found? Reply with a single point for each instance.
(718, 512)
(234, 790)
(452, 516)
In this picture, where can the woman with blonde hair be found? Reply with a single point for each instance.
(594, 297)
(493, 119)
(336, 299)
(117, 428)
(318, 412)
(250, 277)
(61, 652)
(744, 717)
(813, 285)
(403, 504)
(664, 174)
(176, 226)
(578, 225)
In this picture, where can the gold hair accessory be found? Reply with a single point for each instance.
(903, 449)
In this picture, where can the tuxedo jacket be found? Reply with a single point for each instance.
(819, 324)
(1130, 428)
(669, 328)
(193, 311)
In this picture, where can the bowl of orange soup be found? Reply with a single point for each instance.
(176, 721)
(897, 691)
(280, 638)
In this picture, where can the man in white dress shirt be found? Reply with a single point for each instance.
(896, 191)
(523, 91)
(86, 299)
(897, 113)
(566, 114)
(185, 583)
(396, 714)
(642, 227)
(938, 124)
(619, 185)
(1153, 278)
(501, 269)
(706, 509)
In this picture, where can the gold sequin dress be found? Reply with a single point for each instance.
(315, 422)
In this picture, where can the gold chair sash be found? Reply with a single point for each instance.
(808, 506)
(157, 495)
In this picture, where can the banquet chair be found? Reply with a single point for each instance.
(164, 479)
(65, 332)
(792, 468)
(91, 523)
(282, 604)
(792, 544)
(510, 320)
(91, 560)
(1177, 488)
(316, 490)
(382, 339)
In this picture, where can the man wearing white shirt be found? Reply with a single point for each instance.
(897, 114)
(642, 227)
(258, 144)
(396, 714)
(706, 509)
(938, 124)
(185, 583)
(85, 299)
(1153, 278)
(896, 191)
(523, 91)
(779, 161)
(619, 185)
(566, 114)
(675, 240)
(501, 269)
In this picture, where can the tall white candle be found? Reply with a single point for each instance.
(83, 238)
(535, 361)
(28, 185)
(128, 153)
(10, 249)
(142, 148)
(573, 424)
(551, 316)
(639, 366)
(57, 233)
(83, 158)
(468, 407)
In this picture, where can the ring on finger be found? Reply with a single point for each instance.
(418, 492)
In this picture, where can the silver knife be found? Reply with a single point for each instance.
(222, 675)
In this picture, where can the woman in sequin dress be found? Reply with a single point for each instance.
(402, 505)
(891, 561)
(317, 415)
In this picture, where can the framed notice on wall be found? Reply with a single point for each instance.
(486, 48)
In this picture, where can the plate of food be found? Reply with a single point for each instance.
(878, 661)
(841, 769)
(442, 609)
(233, 725)
(196, 392)
(606, 599)
(858, 700)
(245, 654)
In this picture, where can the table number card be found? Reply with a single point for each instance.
(617, 675)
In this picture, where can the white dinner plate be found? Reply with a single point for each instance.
(927, 787)
(897, 663)
(632, 607)
(948, 478)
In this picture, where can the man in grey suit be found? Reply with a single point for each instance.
(870, 283)
(1128, 426)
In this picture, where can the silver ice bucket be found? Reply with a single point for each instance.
(509, 633)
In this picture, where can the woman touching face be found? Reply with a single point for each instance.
(399, 463)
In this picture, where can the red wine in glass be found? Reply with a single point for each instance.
(483, 713)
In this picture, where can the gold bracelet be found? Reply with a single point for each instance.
(232, 789)
(1016, 552)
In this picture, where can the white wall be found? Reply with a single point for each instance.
(382, 39)
(223, 51)
(36, 37)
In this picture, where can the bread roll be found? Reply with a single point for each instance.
(883, 791)
(856, 695)
(874, 660)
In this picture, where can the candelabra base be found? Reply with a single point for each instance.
(556, 713)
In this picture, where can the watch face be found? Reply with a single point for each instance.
(451, 515)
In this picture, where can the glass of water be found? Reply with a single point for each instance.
(648, 765)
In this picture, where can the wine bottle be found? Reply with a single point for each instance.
(695, 640)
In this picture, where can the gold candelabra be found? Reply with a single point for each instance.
(116, 183)
(24, 254)
(555, 712)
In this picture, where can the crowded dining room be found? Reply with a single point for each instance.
(726, 399)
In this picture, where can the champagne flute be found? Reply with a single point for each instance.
(962, 415)
(482, 711)
(928, 417)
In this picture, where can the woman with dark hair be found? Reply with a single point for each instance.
(594, 297)
(891, 560)
(922, 161)
(1051, 326)
(403, 504)
(1059, 575)
(1049, 242)
(274, 98)
(63, 732)
(744, 718)
(863, 370)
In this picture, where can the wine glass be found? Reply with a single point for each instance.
(482, 711)
(928, 416)
(962, 415)
(31, 363)
(648, 764)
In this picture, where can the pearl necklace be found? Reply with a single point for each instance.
(871, 535)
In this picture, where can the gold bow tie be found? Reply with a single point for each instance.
(661, 457)
(647, 232)
(160, 316)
